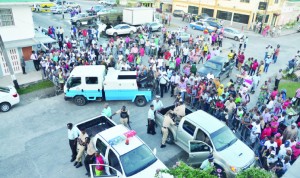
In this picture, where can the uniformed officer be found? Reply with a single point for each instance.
(165, 128)
(124, 116)
(180, 110)
(81, 146)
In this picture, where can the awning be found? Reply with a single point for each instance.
(39, 38)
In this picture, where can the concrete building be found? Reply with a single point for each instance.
(18, 34)
(239, 11)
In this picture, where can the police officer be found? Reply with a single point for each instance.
(165, 127)
(124, 116)
(180, 110)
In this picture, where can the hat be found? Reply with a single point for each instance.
(294, 124)
(210, 157)
(157, 96)
(277, 135)
(287, 144)
(273, 152)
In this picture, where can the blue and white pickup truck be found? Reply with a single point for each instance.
(90, 83)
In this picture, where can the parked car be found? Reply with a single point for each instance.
(83, 19)
(218, 66)
(178, 13)
(198, 25)
(95, 9)
(58, 10)
(201, 134)
(213, 24)
(155, 26)
(121, 29)
(71, 4)
(232, 33)
(183, 35)
(8, 97)
(202, 16)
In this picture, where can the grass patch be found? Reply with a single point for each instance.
(290, 87)
(35, 87)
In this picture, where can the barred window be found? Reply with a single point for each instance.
(6, 17)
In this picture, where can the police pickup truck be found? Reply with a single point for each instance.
(125, 154)
(90, 83)
(200, 134)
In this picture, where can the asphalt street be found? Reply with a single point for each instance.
(34, 135)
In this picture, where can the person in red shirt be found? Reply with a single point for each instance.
(219, 104)
(276, 53)
(99, 160)
(167, 55)
(253, 67)
(278, 140)
(241, 58)
(295, 151)
(266, 132)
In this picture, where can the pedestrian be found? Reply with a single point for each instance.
(35, 60)
(61, 33)
(99, 168)
(23, 64)
(241, 42)
(278, 77)
(80, 147)
(208, 163)
(90, 155)
(157, 103)
(290, 132)
(241, 58)
(124, 116)
(73, 134)
(276, 53)
(268, 61)
(165, 127)
(163, 80)
(106, 111)
(245, 42)
(151, 121)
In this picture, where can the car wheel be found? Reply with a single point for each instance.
(140, 101)
(193, 28)
(4, 107)
(220, 171)
(236, 38)
(115, 34)
(78, 23)
(79, 100)
(170, 138)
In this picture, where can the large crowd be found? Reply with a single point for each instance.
(166, 63)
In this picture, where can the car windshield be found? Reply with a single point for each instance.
(4, 89)
(223, 138)
(137, 160)
(212, 65)
(117, 26)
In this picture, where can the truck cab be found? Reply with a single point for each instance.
(218, 66)
(90, 83)
(200, 134)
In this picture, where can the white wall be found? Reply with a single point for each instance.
(23, 28)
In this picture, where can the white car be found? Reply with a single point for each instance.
(8, 98)
(58, 9)
(233, 33)
(71, 4)
(121, 29)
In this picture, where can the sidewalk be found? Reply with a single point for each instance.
(30, 77)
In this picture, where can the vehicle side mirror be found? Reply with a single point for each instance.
(154, 151)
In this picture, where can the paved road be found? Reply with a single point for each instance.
(34, 136)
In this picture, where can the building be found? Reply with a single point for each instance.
(18, 33)
(239, 11)
(136, 3)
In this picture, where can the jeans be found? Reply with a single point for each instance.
(274, 59)
(87, 161)
(162, 89)
(277, 82)
(73, 145)
(147, 49)
(266, 67)
(184, 58)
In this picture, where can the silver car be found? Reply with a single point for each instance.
(232, 33)
(183, 35)
(155, 26)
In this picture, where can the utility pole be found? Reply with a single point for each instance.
(8, 63)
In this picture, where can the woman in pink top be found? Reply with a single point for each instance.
(274, 124)
(208, 56)
(266, 132)
(177, 62)
(142, 51)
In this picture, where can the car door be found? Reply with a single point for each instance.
(124, 30)
(198, 151)
(185, 133)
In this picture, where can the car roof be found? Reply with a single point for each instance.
(205, 121)
(91, 70)
(218, 59)
(121, 147)
(233, 29)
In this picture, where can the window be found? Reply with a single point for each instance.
(193, 10)
(209, 12)
(91, 80)
(120, 77)
(6, 18)
(247, 1)
(223, 138)
(198, 147)
(114, 162)
(73, 82)
(241, 18)
(189, 128)
(224, 15)
(101, 147)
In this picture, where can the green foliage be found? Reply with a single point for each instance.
(34, 87)
(182, 170)
(255, 172)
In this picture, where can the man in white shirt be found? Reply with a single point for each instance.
(185, 54)
(255, 131)
(210, 75)
(163, 80)
(34, 58)
(73, 134)
(157, 103)
(151, 121)
(61, 33)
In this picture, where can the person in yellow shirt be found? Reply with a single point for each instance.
(261, 68)
(217, 82)
(220, 90)
(230, 55)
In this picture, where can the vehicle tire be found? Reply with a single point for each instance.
(4, 107)
(222, 174)
(115, 34)
(131, 32)
(159, 29)
(78, 23)
(193, 28)
(140, 101)
(79, 100)
(170, 138)
(236, 38)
